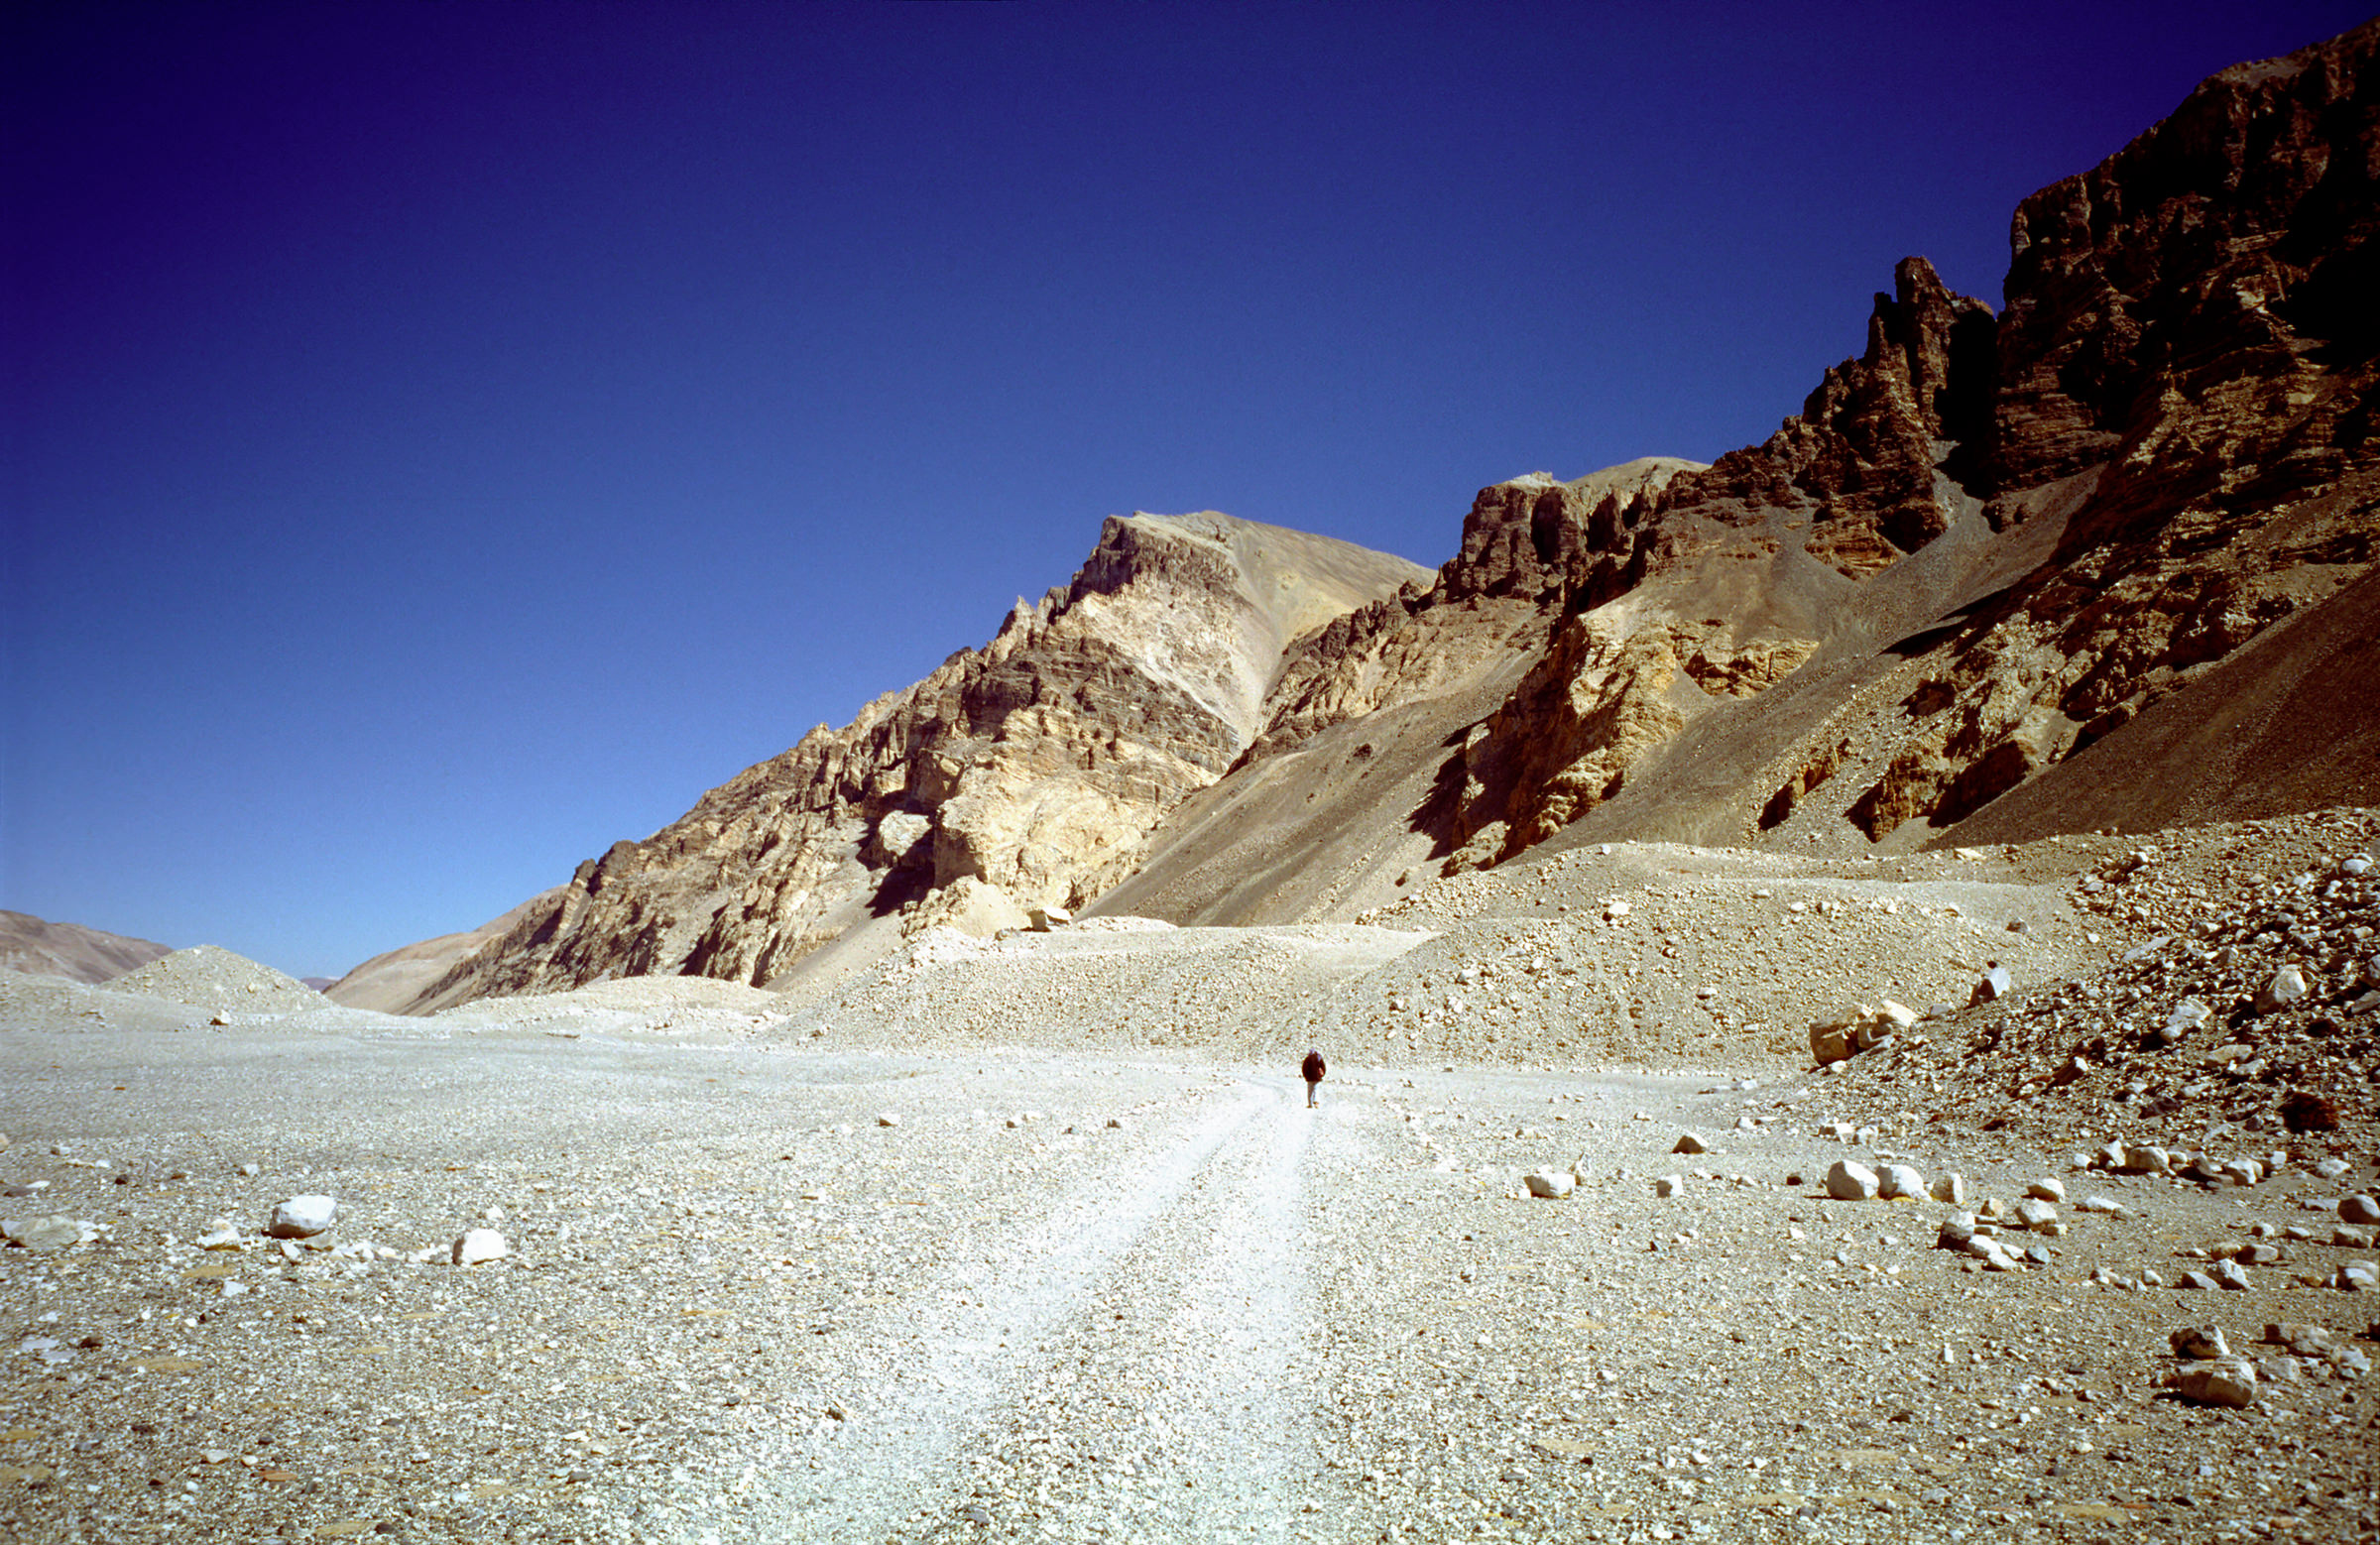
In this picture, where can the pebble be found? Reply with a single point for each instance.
(1552, 1184)
(2359, 1209)
(1687, 1143)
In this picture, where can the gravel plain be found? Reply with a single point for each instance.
(832, 1274)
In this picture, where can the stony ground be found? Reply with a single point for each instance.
(765, 1284)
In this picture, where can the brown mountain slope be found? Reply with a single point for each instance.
(390, 981)
(42, 948)
(1035, 765)
(1980, 546)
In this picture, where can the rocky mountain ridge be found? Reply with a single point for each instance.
(1025, 772)
(1967, 589)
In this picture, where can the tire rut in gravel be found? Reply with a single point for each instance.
(923, 1384)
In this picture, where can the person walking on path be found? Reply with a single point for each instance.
(1312, 1070)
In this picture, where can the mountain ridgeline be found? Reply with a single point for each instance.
(2103, 557)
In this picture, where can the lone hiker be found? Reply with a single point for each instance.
(1311, 1070)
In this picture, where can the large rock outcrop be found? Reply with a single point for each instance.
(1035, 765)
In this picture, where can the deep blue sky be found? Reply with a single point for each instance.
(442, 439)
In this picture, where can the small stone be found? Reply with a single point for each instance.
(1950, 1190)
(301, 1217)
(2232, 1276)
(2359, 1210)
(1901, 1180)
(2103, 1204)
(1687, 1143)
(1996, 984)
(2145, 1159)
(888, 1118)
(2260, 1255)
(2046, 1190)
(1552, 1184)
(251, 1170)
(479, 1245)
(2034, 1213)
(2358, 1276)
(44, 1236)
(2197, 1282)
(2285, 987)
(1849, 1182)
(1957, 1229)
(2230, 1382)
(2332, 1168)
(2346, 1238)
(1669, 1185)
(2199, 1341)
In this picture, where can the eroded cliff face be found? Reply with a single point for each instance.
(2181, 351)
(2180, 391)
(1035, 765)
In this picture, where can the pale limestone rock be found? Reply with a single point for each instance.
(479, 1245)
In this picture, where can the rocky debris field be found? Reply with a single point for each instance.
(2246, 1016)
(736, 1280)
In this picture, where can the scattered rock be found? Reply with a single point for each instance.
(478, 1244)
(2285, 987)
(1849, 1182)
(1687, 1143)
(301, 1217)
(1995, 985)
(1552, 1184)
(2230, 1382)
(2359, 1210)
(45, 1235)
(1900, 1180)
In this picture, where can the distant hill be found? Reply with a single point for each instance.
(42, 948)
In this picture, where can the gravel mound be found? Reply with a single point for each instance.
(206, 977)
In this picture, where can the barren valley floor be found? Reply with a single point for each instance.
(1093, 1298)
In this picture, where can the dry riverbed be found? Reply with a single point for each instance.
(1095, 1298)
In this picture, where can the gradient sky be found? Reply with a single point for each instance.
(442, 439)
